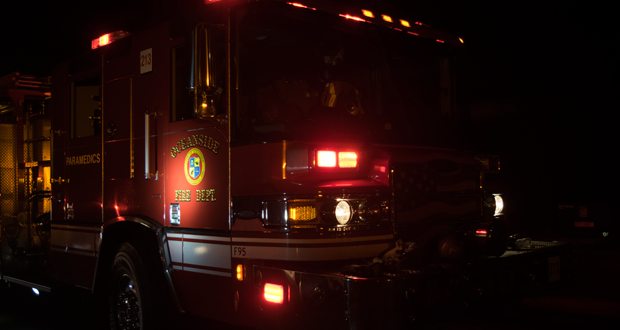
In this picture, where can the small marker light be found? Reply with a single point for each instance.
(405, 23)
(387, 18)
(240, 272)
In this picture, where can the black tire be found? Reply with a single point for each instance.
(133, 296)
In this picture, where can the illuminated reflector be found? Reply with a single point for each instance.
(441, 41)
(387, 18)
(368, 13)
(240, 272)
(107, 39)
(326, 158)
(302, 213)
(481, 232)
(415, 34)
(347, 159)
(404, 23)
(274, 293)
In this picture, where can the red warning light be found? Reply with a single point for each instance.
(108, 38)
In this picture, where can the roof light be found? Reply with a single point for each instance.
(326, 158)
(368, 13)
(355, 18)
(300, 5)
(108, 38)
(387, 18)
(347, 159)
(274, 293)
(404, 23)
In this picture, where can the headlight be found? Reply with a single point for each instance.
(499, 205)
(494, 204)
(343, 212)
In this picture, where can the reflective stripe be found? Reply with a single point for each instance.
(205, 271)
(309, 253)
(241, 240)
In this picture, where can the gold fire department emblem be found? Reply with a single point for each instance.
(194, 166)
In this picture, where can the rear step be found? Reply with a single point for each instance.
(39, 287)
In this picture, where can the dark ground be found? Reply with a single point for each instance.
(590, 301)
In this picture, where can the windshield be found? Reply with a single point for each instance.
(307, 75)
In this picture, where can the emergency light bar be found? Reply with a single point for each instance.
(108, 38)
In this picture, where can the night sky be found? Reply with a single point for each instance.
(537, 77)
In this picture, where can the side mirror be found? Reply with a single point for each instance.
(206, 73)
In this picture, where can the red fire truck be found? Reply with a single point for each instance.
(262, 164)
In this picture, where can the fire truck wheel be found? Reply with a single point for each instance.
(132, 296)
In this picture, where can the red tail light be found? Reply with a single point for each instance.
(481, 232)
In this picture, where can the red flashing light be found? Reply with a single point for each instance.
(274, 293)
(347, 159)
(326, 158)
(107, 39)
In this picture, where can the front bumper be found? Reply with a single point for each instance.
(331, 300)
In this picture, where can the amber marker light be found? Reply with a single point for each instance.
(461, 40)
(387, 18)
(368, 13)
(240, 272)
(404, 23)
(274, 293)
(347, 159)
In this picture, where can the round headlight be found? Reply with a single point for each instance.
(343, 212)
(499, 204)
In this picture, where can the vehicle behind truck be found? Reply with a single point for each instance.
(263, 164)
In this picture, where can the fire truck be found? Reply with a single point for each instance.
(261, 164)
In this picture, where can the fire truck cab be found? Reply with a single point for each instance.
(261, 164)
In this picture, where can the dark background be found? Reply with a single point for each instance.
(536, 80)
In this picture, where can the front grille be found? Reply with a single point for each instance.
(422, 194)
